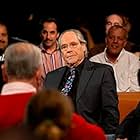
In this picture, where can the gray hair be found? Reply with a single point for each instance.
(79, 36)
(22, 60)
(115, 27)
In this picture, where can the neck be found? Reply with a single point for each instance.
(28, 81)
(50, 49)
(112, 57)
(72, 65)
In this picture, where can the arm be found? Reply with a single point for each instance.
(134, 67)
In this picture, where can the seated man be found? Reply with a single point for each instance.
(22, 69)
(90, 85)
(124, 63)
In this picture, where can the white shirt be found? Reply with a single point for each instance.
(125, 69)
(17, 88)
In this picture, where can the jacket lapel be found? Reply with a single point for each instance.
(59, 76)
(87, 71)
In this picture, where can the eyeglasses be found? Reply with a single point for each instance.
(72, 45)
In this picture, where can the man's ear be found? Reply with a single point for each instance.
(85, 48)
(125, 43)
(4, 73)
(39, 80)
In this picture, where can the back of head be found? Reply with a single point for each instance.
(22, 59)
(49, 114)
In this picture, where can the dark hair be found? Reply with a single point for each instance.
(118, 27)
(50, 19)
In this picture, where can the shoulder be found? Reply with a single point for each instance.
(132, 55)
(97, 55)
(97, 58)
(99, 65)
(61, 69)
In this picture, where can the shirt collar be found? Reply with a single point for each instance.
(17, 88)
(80, 66)
(120, 55)
(44, 50)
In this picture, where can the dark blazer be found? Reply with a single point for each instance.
(96, 97)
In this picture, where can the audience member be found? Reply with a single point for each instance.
(94, 88)
(22, 69)
(117, 19)
(51, 55)
(124, 63)
(111, 20)
(3, 46)
(49, 115)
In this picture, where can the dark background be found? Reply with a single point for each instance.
(91, 12)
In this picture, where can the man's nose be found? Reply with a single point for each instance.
(115, 39)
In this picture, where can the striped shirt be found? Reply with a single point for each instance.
(51, 61)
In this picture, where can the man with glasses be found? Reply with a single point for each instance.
(93, 90)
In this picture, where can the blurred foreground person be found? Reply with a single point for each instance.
(50, 116)
(22, 71)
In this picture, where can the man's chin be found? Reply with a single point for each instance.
(70, 63)
(2, 50)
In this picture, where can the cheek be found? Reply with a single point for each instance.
(63, 53)
(109, 41)
(43, 36)
(80, 54)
